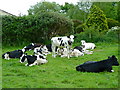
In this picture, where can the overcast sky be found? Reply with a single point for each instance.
(16, 7)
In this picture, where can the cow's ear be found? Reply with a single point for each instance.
(68, 36)
(75, 36)
(113, 56)
(8, 52)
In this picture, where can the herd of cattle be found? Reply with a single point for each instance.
(62, 46)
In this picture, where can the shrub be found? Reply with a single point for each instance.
(38, 28)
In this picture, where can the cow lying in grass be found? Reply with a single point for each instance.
(33, 60)
(73, 52)
(98, 66)
(87, 45)
(13, 54)
(62, 42)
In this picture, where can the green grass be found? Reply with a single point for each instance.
(60, 72)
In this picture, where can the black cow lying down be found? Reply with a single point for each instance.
(13, 54)
(98, 66)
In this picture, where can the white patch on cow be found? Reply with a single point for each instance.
(23, 50)
(76, 53)
(7, 56)
(33, 44)
(87, 45)
(112, 70)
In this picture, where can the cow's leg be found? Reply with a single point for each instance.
(53, 51)
(68, 52)
(110, 69)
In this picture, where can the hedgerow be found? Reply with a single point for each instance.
(37, 28)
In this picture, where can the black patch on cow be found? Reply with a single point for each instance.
(80, 48)
(31, 59)
(62, 44)
(98, 66)
(68, 36)
(70, 42)
(60, 39)
(49, 47)
(41, 57)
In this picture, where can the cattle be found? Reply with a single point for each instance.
(32, 46)
(62, 42)
(87, 45)
(98, 66)
(33, 60)
(80, 48)
(13, 54)
(42, 50)
(62, 52)
(76, 53)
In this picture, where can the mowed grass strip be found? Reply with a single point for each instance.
(60, 72)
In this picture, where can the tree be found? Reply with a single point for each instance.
(97, 19)
(44, 7)
(109, 8)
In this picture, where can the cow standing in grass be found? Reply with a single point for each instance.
(98, 66)
(62, 42)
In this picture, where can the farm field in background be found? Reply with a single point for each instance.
(60, 72)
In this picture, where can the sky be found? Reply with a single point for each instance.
(17, 7)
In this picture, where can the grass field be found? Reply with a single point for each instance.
(60, 72)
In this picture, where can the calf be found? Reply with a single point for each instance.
(76, 53)
(32, 46)
(87, 45)
(33, 60)
(98, 66)
(42, 50)
(13, 54)
(62, 42)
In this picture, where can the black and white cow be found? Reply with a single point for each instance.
(42, 50)
(13, 54)
(98, 66)
(33, 60)
(32, 46)
(80, 48)
(62, 42)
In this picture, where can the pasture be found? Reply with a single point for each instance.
(60, 72)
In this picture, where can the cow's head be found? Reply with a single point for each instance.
(83, 42)
(23, 58)
(114, 60)
(44, 50)
(71, 38)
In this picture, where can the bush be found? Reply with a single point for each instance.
(112, 23)
(92, 35)
(37, 28)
